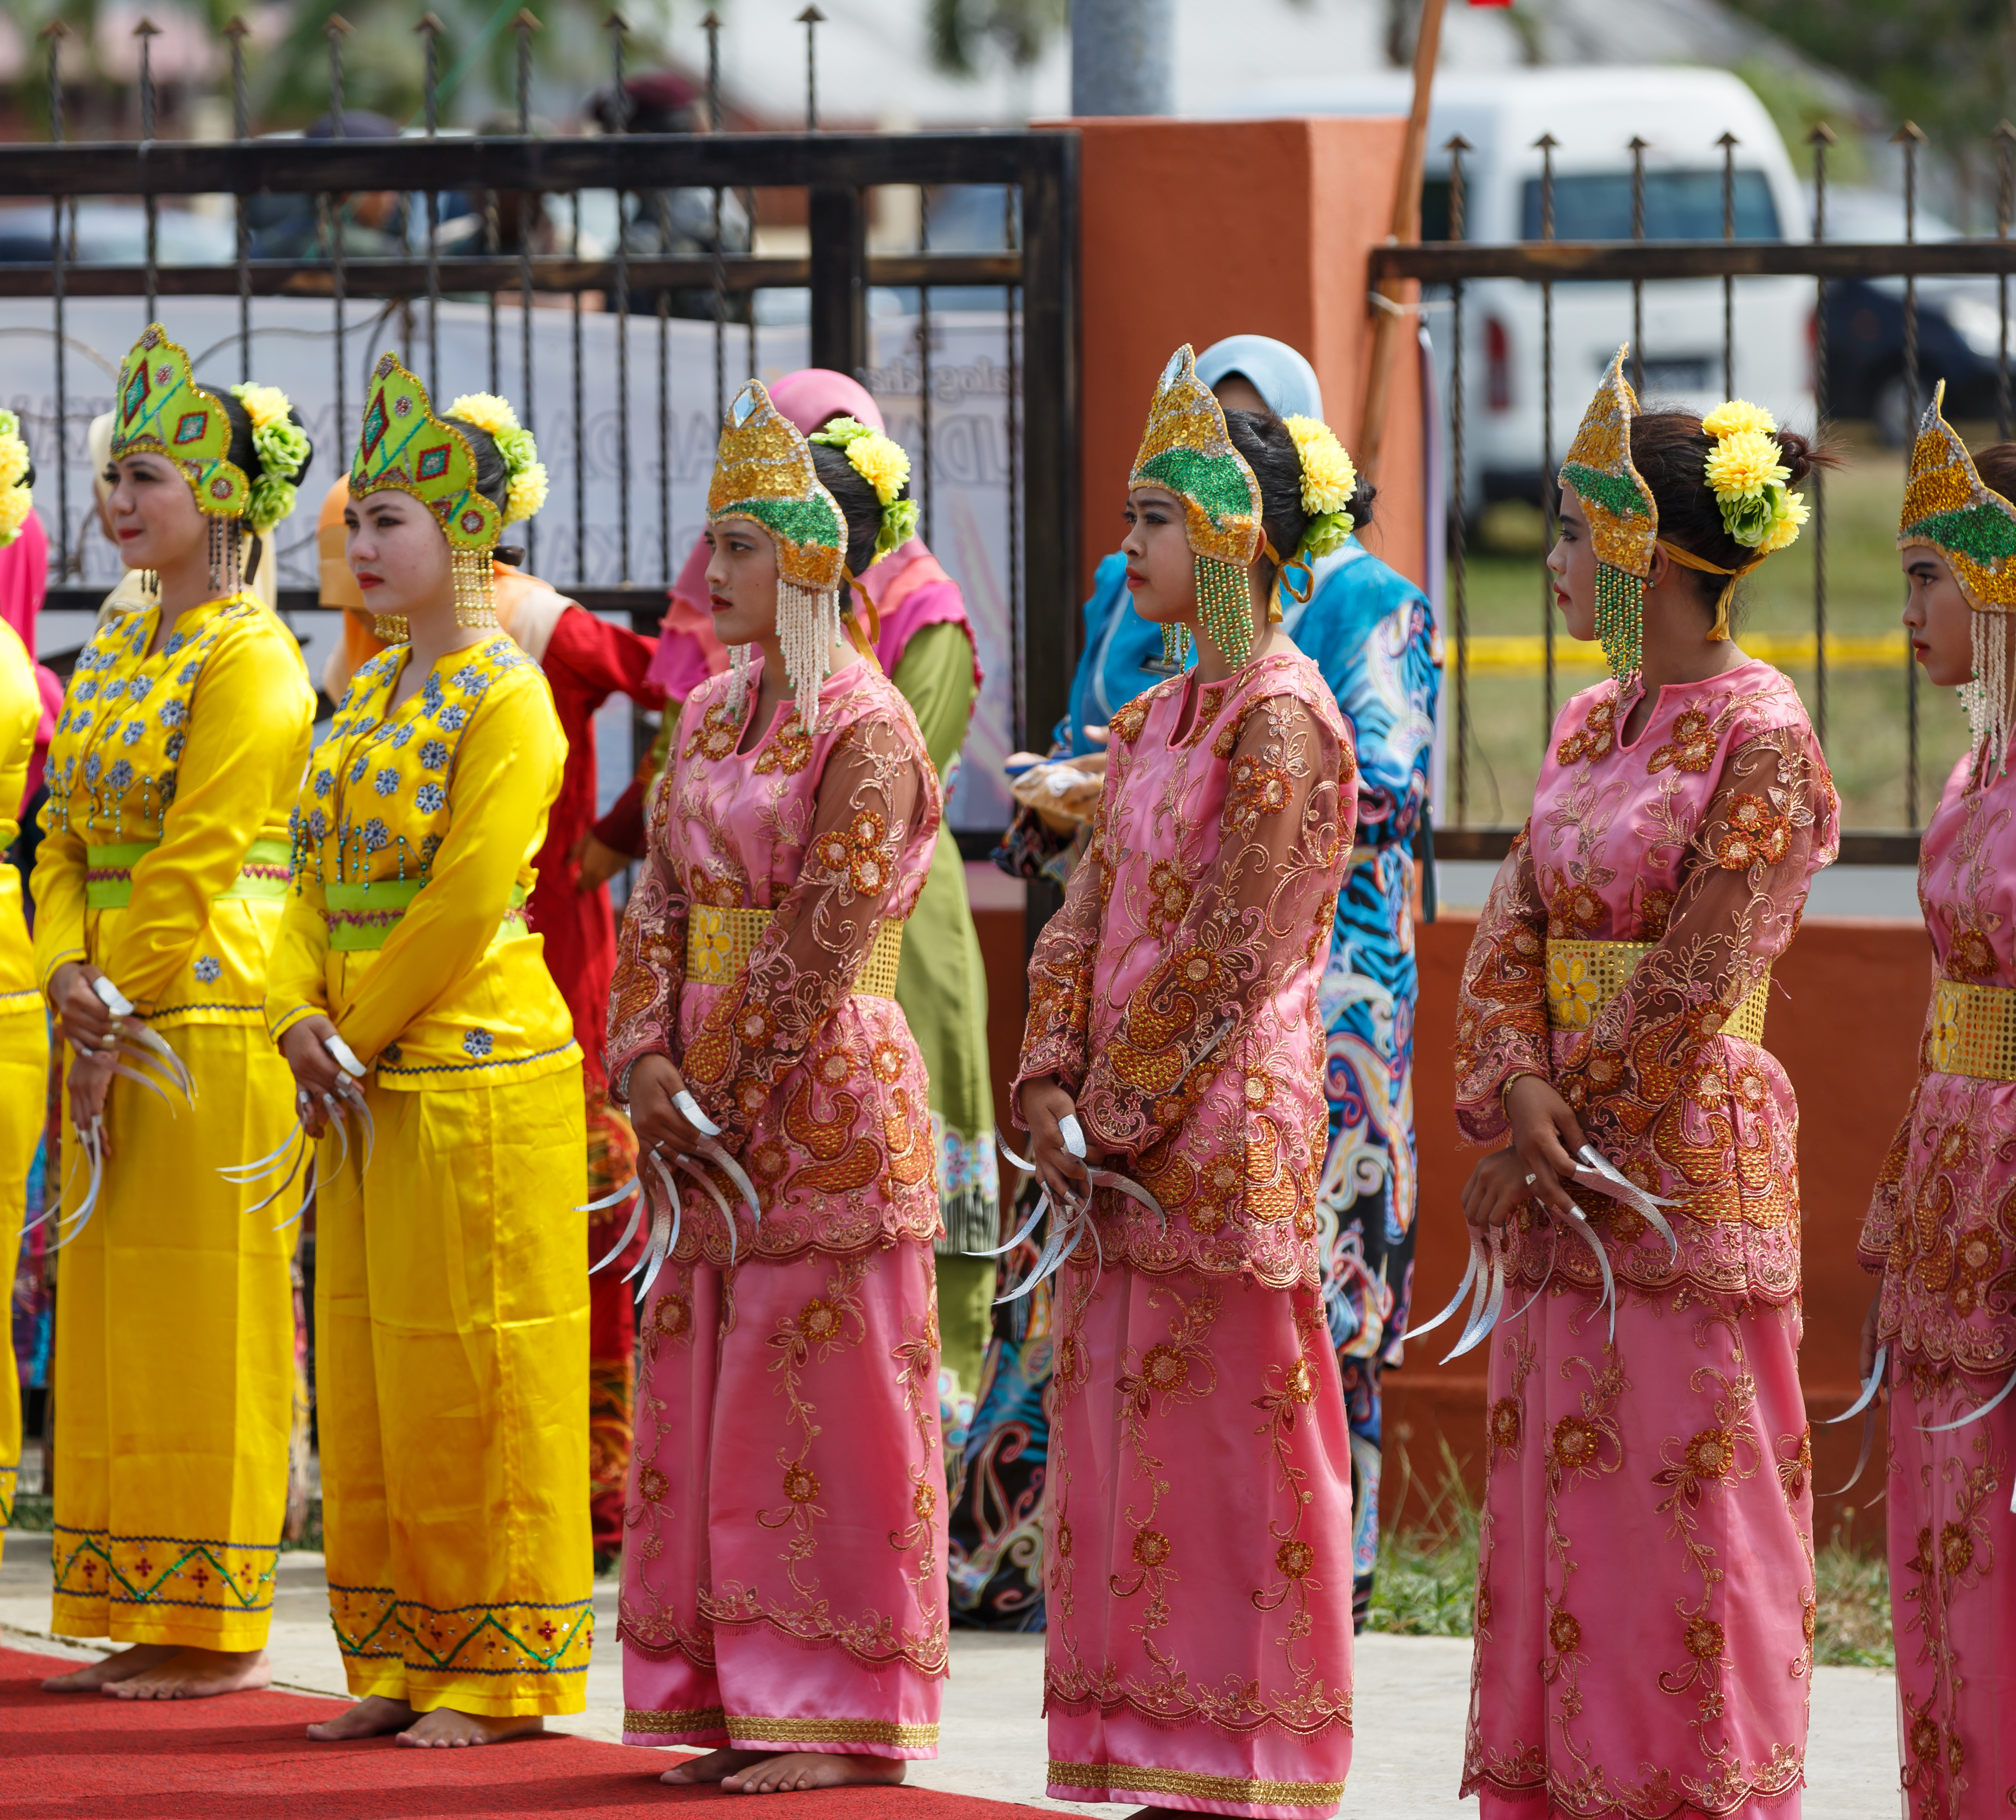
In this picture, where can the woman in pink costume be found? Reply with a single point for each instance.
(783, 1579)
(1942, 1226)
(1198, 1527)
(1645, 1598)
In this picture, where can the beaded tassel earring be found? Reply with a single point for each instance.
(475, 599)
(1225, 608)
(1986, 699)
(1176, 645)
(1620, 620)
(225, 579)
(807, 627)
(738, 680)
(391, 629)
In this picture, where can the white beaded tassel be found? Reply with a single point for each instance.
(807, 627)
(1987, 698)
(738, 680)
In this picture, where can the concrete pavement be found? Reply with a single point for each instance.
(1412, 1696)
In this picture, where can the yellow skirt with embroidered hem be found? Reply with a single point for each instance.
(24, 1075)
(175, 1360)
(452, 1382)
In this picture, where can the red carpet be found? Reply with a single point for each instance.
(84, 1756)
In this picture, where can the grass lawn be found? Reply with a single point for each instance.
(1866, 738)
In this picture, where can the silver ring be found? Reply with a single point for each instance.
(1531, 1180)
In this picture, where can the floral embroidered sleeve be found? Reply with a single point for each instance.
(1501, 1019)
(1771, 823)
(1271, 893)
(650, 950)
(875, 788)
(1057, 1032)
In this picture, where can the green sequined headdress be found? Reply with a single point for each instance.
(1186, 449)
(1623, 521)
(405, 447)
(764, 471)
(162, 411)
(1947, 508)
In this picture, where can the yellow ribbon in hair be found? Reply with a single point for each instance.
(864, 643)
(1300, 597)
(1687, 559)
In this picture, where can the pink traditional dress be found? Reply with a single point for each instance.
(1197, 1524)
(1645, 1596)
(1941, 1234)
(783, 1573)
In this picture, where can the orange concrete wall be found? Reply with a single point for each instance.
(1847, 1006)
(1194, 230)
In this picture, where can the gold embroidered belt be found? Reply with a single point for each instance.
(719, 943)
(1583, 976)
(1974, 1031)
(361, 917)
(108, 873)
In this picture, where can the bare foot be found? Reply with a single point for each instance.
(196, 1675)
(445, 1727)
(714, 1766)
(372, 1716)
(126, 1663)
(792, 1770)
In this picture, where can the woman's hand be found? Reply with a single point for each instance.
(594, 863)
(319, 1077)
(1535, 1164)
(90, 1080)
(1045, 1106)
(659, 1124)
(1866, 1359)
(87, 1022)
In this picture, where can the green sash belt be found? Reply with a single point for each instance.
(362, 917)
(108, 877)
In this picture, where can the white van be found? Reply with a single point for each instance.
(1594, 113)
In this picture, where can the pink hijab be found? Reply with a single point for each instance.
(909, 589)
(24, 578)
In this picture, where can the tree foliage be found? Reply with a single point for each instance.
(963, 30)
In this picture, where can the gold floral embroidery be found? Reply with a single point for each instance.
(1692, 747)
(1592, 739)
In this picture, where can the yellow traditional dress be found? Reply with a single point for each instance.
(24, 1031)
(451, 1273)
(164, 862)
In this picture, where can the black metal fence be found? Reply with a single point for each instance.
(1447, 267)
(643, 295)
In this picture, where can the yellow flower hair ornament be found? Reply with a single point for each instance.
(494, 416)
(879, 460)
(1746, 472)
(1329, 480)
(17, 497)
(283, 449)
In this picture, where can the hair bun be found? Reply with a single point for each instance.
(511, 556)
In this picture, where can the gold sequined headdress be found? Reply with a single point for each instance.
(1186, 449)
(1948, 508)
(764, 471)
(1623, 521)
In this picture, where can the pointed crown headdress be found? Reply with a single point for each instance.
(1623, 519)
(404, 446)
(1187, 449)
(1948, 508)
(161, 410)
(764, 471)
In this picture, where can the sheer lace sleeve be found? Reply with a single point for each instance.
(1501, 1020)
(876, 788)
(1055, 1038)
(650, 951)
(1266, 903)
(1769, 824)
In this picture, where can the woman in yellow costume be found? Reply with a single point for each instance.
(408, 996)
(158, 889)
(24, 1031)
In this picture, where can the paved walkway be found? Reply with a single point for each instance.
(1412, 1696)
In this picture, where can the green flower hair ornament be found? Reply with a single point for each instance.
(283, 449)
(879, 460)
(16, 497)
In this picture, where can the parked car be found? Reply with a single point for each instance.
(1959, 325)
(1593, 114)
